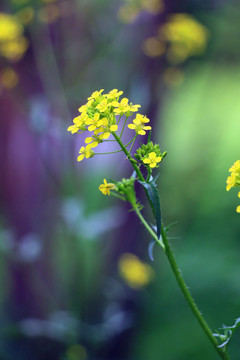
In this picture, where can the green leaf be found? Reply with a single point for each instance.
(153, 197)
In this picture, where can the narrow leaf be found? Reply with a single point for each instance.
(153, 197)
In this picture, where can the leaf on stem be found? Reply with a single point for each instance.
(153, 197)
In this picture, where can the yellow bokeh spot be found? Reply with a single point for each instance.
(49, 13)
(136, 273)
(12, 42)
(76, 352)
(25, 15)
(10, 28)
(173, 76)
(185, 35)
(153, 6)
(127, 13)
(9, 78)
(153, 47)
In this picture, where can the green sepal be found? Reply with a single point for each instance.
(153, 197)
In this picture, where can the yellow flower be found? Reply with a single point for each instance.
(238, 207)
(231, 180)
(73, 129)
(113, 94)
(122, 107)
(139, 124)
(106, 187)
(134, 108)
(94, 123)
(79, 122)
(136, 273)
(103, 105)
(83, 108)
(235, 167)
(234, 179)
(95, 95)
(85, 152)
(141, 119)
(113, 127)
(152, 160)
(91, 141)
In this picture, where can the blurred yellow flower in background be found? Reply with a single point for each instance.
(8, 78)
(129, 11)
(76, 352)
(185, 35)
(134, 272)
(12, 42)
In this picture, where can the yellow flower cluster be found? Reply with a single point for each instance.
(12, 42)
(186, 36)
(101, 115)
(135, 272)
(234, 179)
(179, 38)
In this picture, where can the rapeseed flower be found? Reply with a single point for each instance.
(94, 122)
(95, 95)
(85, 152)
(152, 160)
(101, 115)
(121, 108)
(114, 94)
(234, 179)
(106, 187)
(139, 124)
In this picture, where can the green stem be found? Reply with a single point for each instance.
(117, 151)
(134, 139)
(123, 126)
(130, 158)
(177, 273)
(188, 297)
(148, 227)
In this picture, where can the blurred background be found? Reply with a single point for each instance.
(76, 279)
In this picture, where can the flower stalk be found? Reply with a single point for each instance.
(99, 117)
